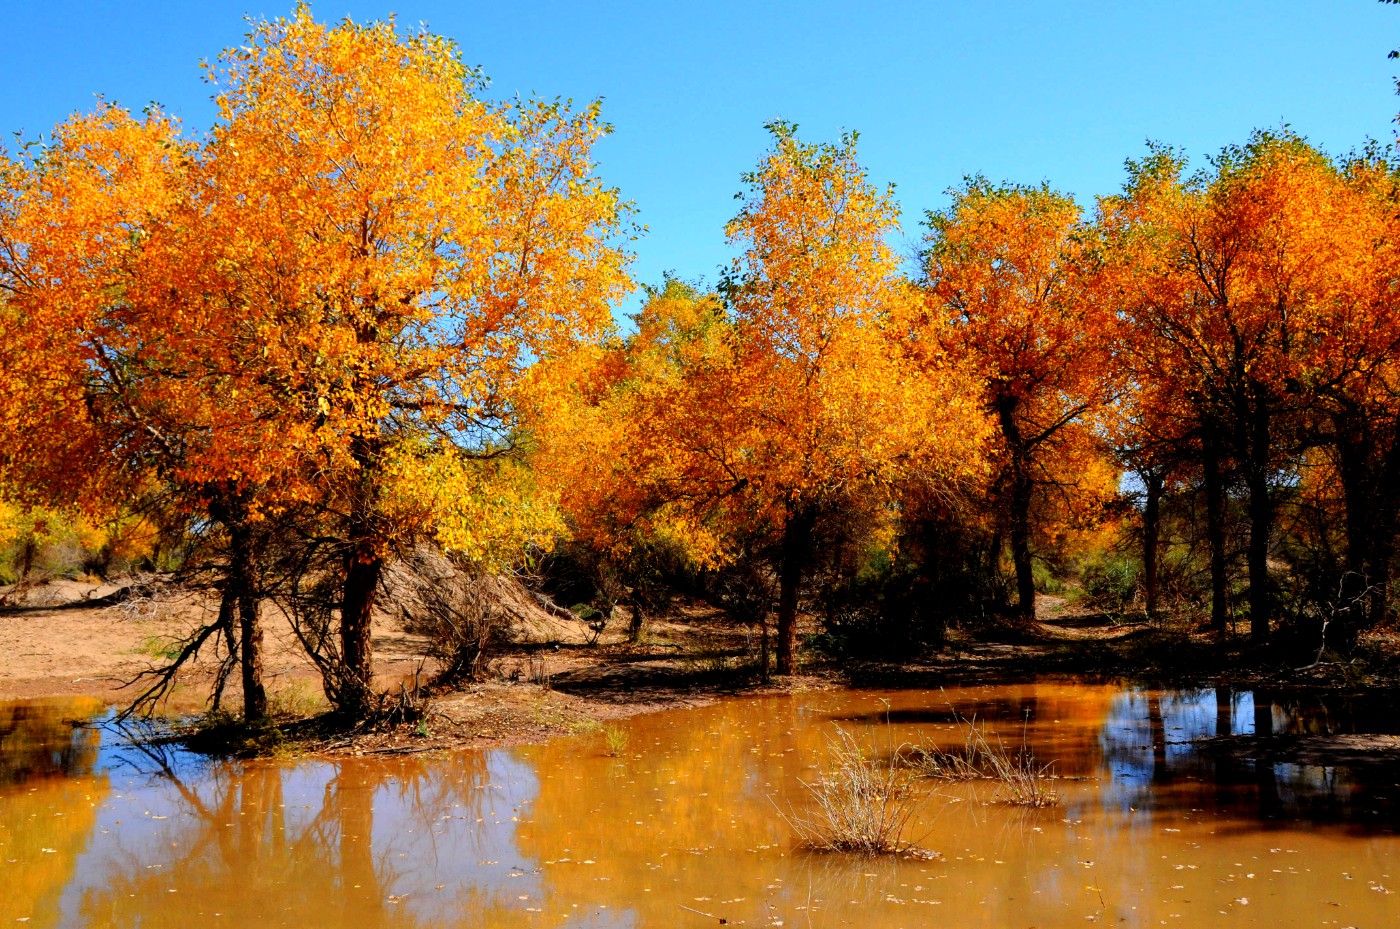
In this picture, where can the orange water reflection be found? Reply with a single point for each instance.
(683, 829)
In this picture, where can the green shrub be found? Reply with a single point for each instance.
(896, 617)
(1111, 582)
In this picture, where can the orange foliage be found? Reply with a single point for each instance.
(1014, 291)
(715, 426)
(331, 300)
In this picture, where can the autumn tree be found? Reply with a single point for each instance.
(605, 422)
(319, 313)
(1357, 398)
(121, 386)
(749, 419)
(1244, 284)
(401, 249)
(1010, 279)
(831, 409)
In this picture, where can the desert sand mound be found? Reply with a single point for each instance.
(426, 582)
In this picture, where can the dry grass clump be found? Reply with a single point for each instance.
(964, 763)
(858, 803)
(1021, 780)
(615, 739)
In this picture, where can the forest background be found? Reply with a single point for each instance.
(369, 319)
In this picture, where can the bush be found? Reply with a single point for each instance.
(897, 617)
(1046, 580)
(1111, 582)
(454, 606)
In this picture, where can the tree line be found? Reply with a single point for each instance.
(371, 310)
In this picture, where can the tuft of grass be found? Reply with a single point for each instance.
(539, 672)
(858, 804)
(163, 647)
(964, 763)
(615, 739)
(297, 700)
(1021, 780)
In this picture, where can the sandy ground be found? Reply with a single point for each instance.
(60, 641)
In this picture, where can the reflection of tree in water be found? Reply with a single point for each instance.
(47, 738)
(356, 843)
(48, 804)
(1217, 749)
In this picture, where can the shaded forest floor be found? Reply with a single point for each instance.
(74, 639)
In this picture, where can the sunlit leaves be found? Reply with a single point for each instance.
(357, 264)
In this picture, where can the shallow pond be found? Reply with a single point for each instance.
(1156, 826)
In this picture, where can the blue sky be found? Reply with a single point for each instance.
(1019, 91)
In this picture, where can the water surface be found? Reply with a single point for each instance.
(1166, 819)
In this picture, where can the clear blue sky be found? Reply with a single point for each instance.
(1019, 91)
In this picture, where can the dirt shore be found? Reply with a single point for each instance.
(65, 639)
(71, 638)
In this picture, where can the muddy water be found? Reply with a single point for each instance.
(1168, 817)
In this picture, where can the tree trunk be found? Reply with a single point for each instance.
(1369, 468)
(1215, 533)
(1020, 516)
(994, 552)
(364, 564)
(1260, 524)
(1378, 609)
(363, 568)
(245, 587)
(1021, 552)
(638, 622)
(1151, 533)
(26, 556)
(1387, 513)
(228, 611)
(797, 542)
(764, 650)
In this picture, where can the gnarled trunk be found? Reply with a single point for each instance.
(245, 588)
(242, 597)
(1261, 519)
(1154, 483)
(638, 620)
(364, 565)
(363, 569)
(1369, 468)
(1019, 491)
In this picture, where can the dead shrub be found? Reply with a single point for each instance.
(1021, 780)
(454, 608)
(859, 804)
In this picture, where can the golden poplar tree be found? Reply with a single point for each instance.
(751, 420)
(1247, 290)
(1011, 278)
(321, 311)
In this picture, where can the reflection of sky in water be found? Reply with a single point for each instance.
(1136, 772)
(442, 846)
(427, 835)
